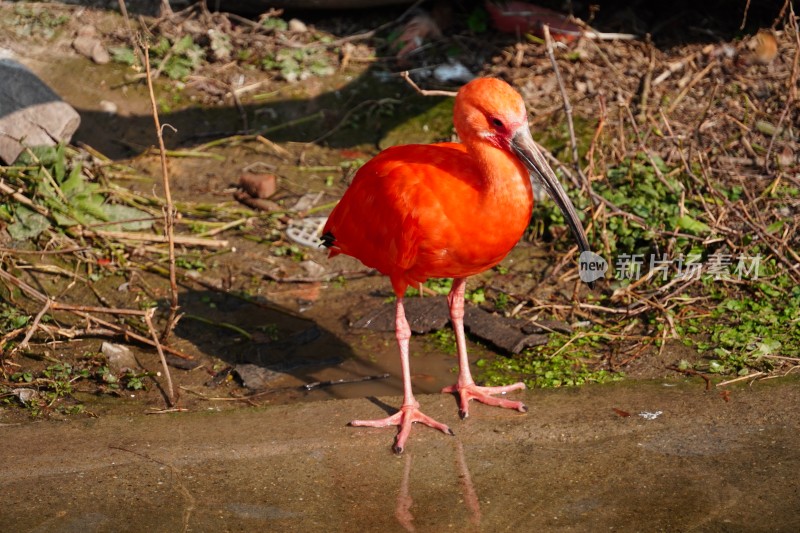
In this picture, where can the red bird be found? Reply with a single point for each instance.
(447, 210)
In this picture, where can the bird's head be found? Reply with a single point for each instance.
(490, 110)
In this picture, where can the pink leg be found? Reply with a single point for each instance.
(465, 386)
(409, 412)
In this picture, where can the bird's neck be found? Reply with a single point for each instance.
(505, 178)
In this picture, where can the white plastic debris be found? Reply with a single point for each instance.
(307, 201)
(307, 231)
(648, 415)
(453, 72)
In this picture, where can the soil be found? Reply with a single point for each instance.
(299, 305)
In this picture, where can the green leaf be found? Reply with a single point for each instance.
(129, 218)
(74, 182)
(29, 224)
(161, 47)
(692, 225)
(92, 205)
(183, 44)
(274, 24)
(59, 165)
(775, 226)
(123, 54)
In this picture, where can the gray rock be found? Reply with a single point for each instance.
(92, 48)
(31, 114)
(120, 357)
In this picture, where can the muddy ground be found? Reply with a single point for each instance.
(683, 460)
(264, 300)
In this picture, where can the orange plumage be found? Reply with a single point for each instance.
(421, 211)
(447, 210)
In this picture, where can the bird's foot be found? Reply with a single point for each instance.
(404, 418)
(484, 395)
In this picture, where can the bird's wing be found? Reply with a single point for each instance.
(380, 219)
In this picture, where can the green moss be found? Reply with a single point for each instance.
(562, 362)
(433, 124)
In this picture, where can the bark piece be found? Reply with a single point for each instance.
(426, 315)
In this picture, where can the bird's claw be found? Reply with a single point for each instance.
(404, 418)
(485, 395)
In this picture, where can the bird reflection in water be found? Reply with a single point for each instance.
(405, 501)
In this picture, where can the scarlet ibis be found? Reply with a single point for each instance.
(447, 210)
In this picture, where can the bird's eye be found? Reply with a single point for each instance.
(497, 123)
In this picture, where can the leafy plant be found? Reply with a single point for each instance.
(635, 187)
(444, 340)
(189, 263)
(298, 64)
(53, 387)
(745, 330)
(12, 318)
(123, 54)
(32, 21)
(60, 186)
(551, 365)
(438, 285)
(275, 24)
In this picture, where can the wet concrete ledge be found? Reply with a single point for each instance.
(572, 463)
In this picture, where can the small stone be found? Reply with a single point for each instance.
(25, 395)
(258, 185)
(119, 356)
(313, 269)
(87, 31)
(256, 377)
(92, 48)
(785, 158)
(296, 25)
(108, 107)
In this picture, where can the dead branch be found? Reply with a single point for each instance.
(567, 107)
(169, 208)
(149, 237)
(148, 318)
(425, 92)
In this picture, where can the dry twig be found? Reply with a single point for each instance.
(148, 318)
(567, 107)
(169, 208)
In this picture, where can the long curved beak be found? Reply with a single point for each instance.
(526, 150)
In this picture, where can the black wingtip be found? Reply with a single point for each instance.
(327, 239)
